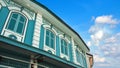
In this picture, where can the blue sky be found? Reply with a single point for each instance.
(97, 22)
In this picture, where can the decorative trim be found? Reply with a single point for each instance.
(19, 9)
(73, 50)
(2, 3)
(49, 27)
(65, 38)
(37, 29)
(0, 6)
(45, 46)
(4, 28)
(61, 54)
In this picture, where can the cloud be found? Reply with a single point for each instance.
(97, 58)
(89, 43)
(104, 41)
(102, 28)
(113, 39)
(106, 19)
(111, 47)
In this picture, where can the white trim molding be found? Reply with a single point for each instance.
(73, 50)
(46, 48)
(65, 38)
(37, 29)
(2, 3)
(61, 54)
(19, 9)
(7, 32)
(49, 27)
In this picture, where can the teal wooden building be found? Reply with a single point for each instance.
(32, 36)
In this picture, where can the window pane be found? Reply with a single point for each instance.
(52, 43)
(22, 19)
(15, 15)
(62, 49)
(20, 28)
(52, 35)
(47, 32)
(77, 56)
(17, 23)
(66, 51)
(47, 40)
(11, 25)
(62, 46)
(80, 56)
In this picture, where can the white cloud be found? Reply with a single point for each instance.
(106, 19)
(89, 43)
(97, 58)
(113, 39)
(111, 46)
(104, 41)
(102, 28)
(97, 36)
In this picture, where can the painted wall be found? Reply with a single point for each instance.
(4, 11)
(29, 32)
(32, 26)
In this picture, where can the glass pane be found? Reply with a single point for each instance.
(77, 56)
(20, 28)
(15, 15)
(65, 43)
(47, 40)
(62, 49)
(47, 32)
(66, 50)
(52, 43)
(62, 46)
(11, 25)
(22, 19)
(52, 35)
(80, 56)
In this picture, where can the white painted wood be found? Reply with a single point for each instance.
(19, 36)
(63, 55)
(73, 51)
(2, 3)
(7, 33)
(14, 8)
(36, 36)
(46, 48)
(0, 6)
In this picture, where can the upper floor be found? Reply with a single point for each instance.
(31, 23)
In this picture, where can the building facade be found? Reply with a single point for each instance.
(32, 36)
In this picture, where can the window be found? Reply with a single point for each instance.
(50, 39)
(16, 22)
(64, 47)
(79, 57)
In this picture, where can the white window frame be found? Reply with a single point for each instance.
(46, 47)
(61, 54)
(81, 55)
(7, 21)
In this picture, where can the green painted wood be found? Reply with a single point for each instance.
(29, 32)
(57, 46)
(41, 45)
(3, 16)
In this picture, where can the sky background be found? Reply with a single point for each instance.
(97, 22)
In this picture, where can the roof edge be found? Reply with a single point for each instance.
(60, 20)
